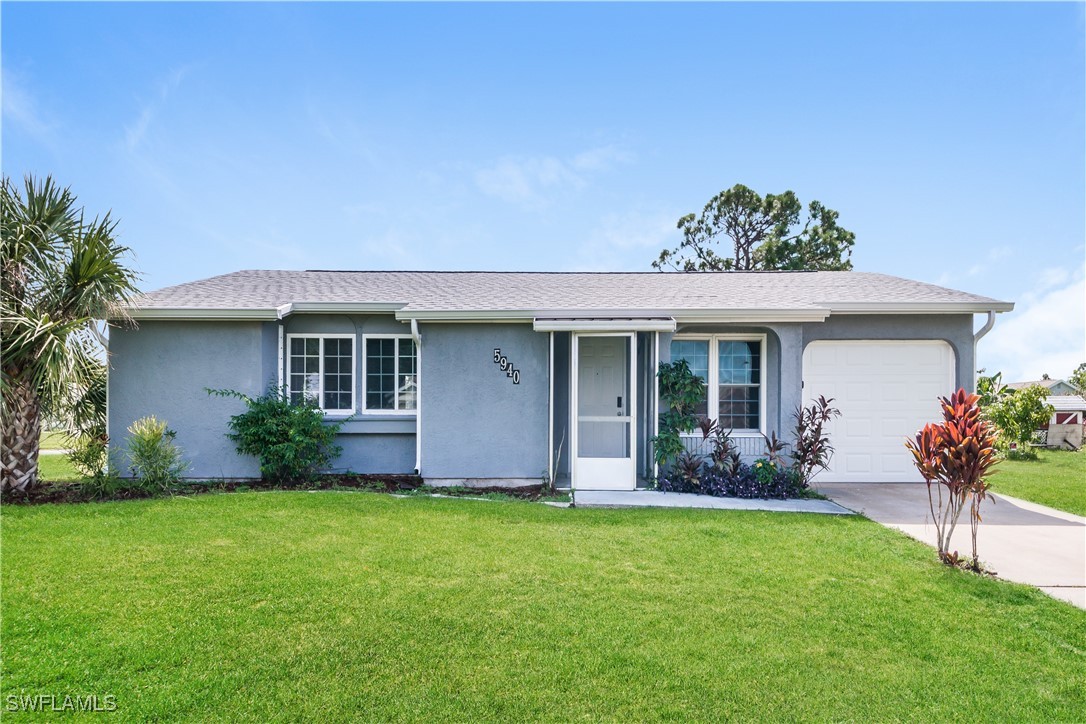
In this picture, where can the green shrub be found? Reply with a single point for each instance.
(153, 458)
(292, 442)
(88, 455)
(680, 393)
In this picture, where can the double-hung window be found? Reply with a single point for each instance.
(320, 369)
(733, 370)
(392, 381)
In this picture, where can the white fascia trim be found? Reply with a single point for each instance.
(604, 325)
(179, 313)
(813, 314)
(919, 307)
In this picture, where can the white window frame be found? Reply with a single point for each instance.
(714, 376)
(366, 409)
(320, 356)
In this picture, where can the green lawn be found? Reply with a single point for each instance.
(335, 606)
(1056, 479)
(54, 440)
(56, 469)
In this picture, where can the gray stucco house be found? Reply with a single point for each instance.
(507, 377)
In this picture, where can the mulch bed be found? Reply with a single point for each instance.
(76, 493)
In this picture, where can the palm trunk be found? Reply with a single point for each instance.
(21, 421)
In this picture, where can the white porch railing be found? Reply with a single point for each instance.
(751, 447)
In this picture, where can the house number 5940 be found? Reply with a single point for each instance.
(506, 366)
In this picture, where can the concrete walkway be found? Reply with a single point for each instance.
(656, 499)
(1020, 541)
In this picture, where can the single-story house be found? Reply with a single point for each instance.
(1054, 387)
(495, 377)
(1065, 428)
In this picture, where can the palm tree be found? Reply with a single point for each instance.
(58, 274)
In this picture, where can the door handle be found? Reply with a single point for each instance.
(620, 402)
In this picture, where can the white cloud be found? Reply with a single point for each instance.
(629, 241)
(21, 109)
(531, 181)
(996, 254)
(1045, 334)
(135, 132)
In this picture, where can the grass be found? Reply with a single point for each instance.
(337, 606)
(54, 440)
(1056, 479)
(56, 468)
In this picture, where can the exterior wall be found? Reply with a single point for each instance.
(475, 422)
(785, 343)
(955, 329)
(372, 442)
(163, 368)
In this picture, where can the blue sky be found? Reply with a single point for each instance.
(951, 138)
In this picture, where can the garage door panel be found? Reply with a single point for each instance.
(886, 390)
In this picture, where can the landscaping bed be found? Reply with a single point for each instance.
(83, 491)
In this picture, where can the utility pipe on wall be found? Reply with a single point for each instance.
(417, 336)
(977, 337)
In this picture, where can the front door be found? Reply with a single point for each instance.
(604, 439)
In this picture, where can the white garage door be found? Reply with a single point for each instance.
(886, 391)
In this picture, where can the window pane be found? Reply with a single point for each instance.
(304, 369)
(407, 379)
(696, 354)
(740, 362)
(381, 374)
(740, 370)
(338, 374)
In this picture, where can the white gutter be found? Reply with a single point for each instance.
(918, 307)
(267, 315)
(529, 316)
(262, 313)
(417, 336)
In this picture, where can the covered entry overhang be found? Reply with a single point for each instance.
(603, 398)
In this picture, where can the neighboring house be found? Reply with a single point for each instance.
(508, 377)
(1065, 429)
(1054, 387)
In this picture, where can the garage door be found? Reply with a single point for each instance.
(886, 391)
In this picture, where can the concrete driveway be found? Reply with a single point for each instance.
(1020, 541)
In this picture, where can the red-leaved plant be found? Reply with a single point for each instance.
(956, 455)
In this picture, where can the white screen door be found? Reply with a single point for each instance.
(604, 457)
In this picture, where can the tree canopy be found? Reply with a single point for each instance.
(60, 273)
(741, 230)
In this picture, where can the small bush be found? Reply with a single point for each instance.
(292, 442)
(88, 455)
(153, 458)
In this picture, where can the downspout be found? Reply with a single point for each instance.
(417, 336)
(977, 337)
(655, 402)
(280, 313)
(550, 415)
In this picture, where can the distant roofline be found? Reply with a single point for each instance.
(515, 271)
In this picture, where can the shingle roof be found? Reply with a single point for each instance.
(1049, 383)
(417, 292)
(1066, 403)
